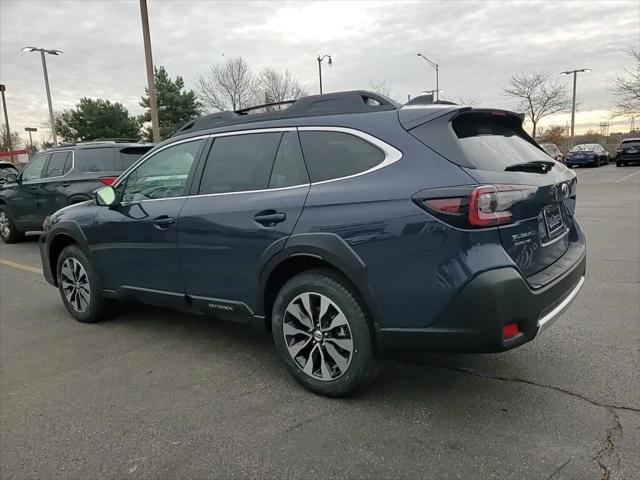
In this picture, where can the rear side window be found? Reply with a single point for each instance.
(59, 164)
(129, 155)
(331, 155)
(99, 159)
(240, 163)
(289, 169)
(480, 140)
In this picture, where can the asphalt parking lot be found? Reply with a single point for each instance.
(158, 394)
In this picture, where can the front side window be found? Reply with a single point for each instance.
(331, 155)
(240, 163)
(163, 175)
(59, 164)
(34, 170)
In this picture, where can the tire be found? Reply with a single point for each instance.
(352, 332)
(8, 230)
(87, 304)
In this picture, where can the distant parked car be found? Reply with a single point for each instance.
(592, 154)
(59, 177)
(552, 150)
(7, 168)
(628, 152)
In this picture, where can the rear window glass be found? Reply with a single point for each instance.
(626, 143)
(586, 147)
(493, 142)
(129, 155)
(331, 155)
(99, 160)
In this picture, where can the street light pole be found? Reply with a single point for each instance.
(153, 103)
(4, 107)
(320, 59)
(46, 84)
(436, 67)
(573, 102)
(30, 129)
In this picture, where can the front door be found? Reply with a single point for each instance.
(245, 203)
(135, 242)
(24, 205)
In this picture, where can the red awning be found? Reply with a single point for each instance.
(14, 153)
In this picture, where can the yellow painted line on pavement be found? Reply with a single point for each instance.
(19, 266)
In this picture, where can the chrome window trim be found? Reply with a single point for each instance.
(391, 153)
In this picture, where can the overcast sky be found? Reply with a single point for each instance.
(477, 44)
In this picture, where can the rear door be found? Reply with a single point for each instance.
(54, 189)
(250, 195)
(492, 147)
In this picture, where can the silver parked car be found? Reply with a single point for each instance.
(553, 151)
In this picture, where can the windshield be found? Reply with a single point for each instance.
(585, 147)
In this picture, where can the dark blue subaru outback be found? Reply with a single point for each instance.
(348, 224)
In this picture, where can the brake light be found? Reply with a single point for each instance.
(485, 206)
(510, 330)
(108, 181)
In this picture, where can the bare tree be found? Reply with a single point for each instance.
(278, 87)
(538, 95)
(228, 86)
(9, 141)
(626, 88)
(381, 87)
(553, 134)
(462, 100)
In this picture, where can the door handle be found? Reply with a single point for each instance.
(269, 218)
(33, 187)
(162, 222)
(66, 184)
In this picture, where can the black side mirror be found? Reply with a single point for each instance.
(11, 178)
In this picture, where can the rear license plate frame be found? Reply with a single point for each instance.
(553, 220)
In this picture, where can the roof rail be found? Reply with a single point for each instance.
(338, 103)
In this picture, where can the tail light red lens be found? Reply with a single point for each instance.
(485, 206)
(510, 330)
(108, 181)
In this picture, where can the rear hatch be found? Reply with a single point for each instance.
(531, 197)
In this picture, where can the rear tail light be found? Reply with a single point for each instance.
(510, 330)
(108, 181)
(485, 206)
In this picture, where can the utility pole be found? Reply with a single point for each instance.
(4, 107)
(573, 103)
(153, 103)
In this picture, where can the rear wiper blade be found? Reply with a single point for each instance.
(541, 166)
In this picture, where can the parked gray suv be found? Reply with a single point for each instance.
(59, 177)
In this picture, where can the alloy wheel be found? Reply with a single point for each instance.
(318, 336)
(75, 284)
(5, 227)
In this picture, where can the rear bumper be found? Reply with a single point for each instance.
(581, 161)
(628, 158)
(474, 320)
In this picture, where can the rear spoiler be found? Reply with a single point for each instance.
(414, 116)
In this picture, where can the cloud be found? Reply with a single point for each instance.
(478, 45)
